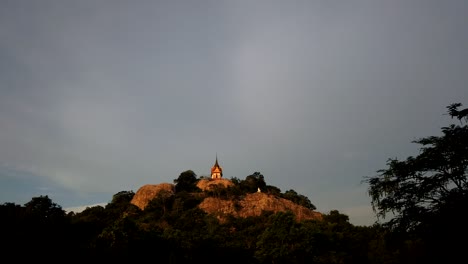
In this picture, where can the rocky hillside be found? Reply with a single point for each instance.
(208, 184)
(251, 204)
(147, 192)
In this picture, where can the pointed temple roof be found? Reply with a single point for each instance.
(216, 167)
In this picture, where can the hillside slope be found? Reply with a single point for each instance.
(251, 204)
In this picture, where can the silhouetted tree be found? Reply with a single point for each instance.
(253, 182)
(187, 181)
(283, 241)
(273, 190)
(44, 226)
(426, 193)
(120, 206)
(298, 199)
(123, 197)
(42, 208)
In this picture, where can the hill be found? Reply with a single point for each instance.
(214, 202)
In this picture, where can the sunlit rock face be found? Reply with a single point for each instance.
(149, 191)
(209, 184)
(253, 204)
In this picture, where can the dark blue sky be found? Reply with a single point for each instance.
(99, 97)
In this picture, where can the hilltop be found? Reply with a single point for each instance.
(224, 198)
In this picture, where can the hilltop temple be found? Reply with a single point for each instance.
(216, 170)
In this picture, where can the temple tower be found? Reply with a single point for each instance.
(216, 170)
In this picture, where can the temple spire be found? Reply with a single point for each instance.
(216, 170)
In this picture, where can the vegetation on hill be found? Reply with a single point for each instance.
(426, 194)
(174, 230)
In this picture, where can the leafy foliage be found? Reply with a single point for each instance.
(253, 182)
(298, 199)
(426, 193)
(420, 187)
(187, 181)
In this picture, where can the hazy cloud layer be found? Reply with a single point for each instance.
(103, 96)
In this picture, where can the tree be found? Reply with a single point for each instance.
(284, 240)
(253, 182)
(120, 205)
(420, 186)
(270, 189)
(298, 199)
(427, 193)
(43, 209)
(45, 227)
(187, 181)
(123, 197)
(336, 217)
(160, 204)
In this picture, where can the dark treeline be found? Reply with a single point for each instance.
(426, 194)
(172, 229)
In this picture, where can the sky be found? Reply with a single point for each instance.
(98, 97)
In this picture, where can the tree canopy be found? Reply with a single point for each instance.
(427, 193)
(421, 186)
(187, 181)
